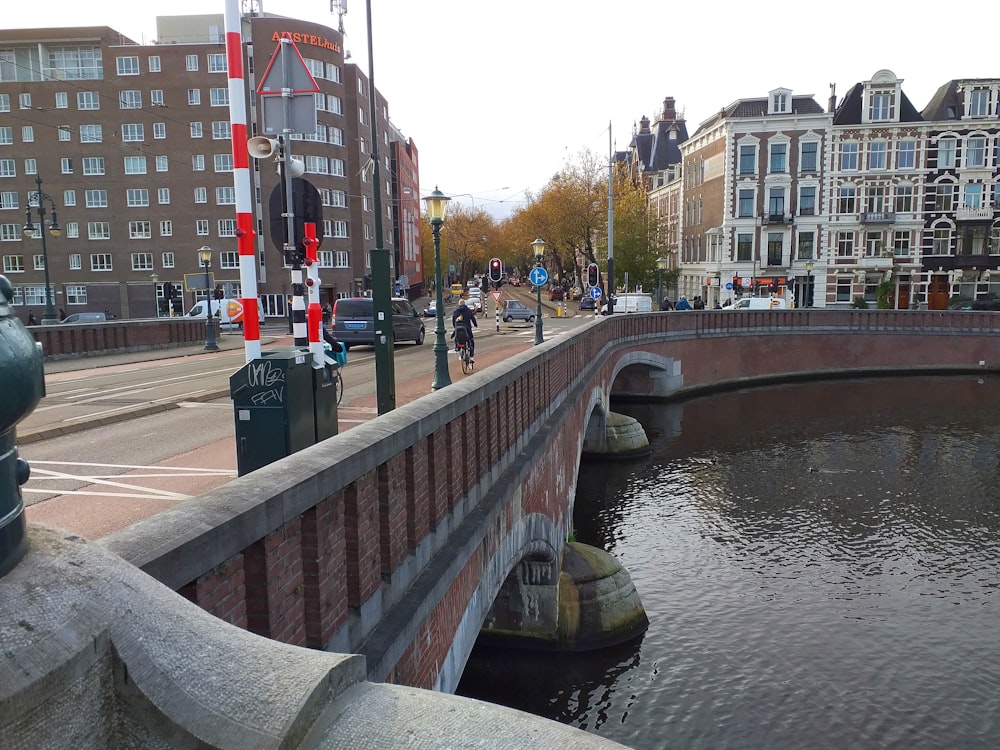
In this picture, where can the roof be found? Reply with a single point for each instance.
(848, 111)
(947, 102)
(757, 108)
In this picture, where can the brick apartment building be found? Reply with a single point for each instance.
(133, 145)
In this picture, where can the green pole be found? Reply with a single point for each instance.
(442, 377)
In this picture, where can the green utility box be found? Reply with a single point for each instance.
(281, 406)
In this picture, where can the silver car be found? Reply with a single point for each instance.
(516, 310)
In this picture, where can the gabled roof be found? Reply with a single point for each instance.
(757, 108)
(947, 104)
(849, 110)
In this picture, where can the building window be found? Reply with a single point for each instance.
(341, 259)
(66, 165)
(844, 288)
(159, 130)
(807, 201)
(91, 134)
(317, 165)
(325, 258)
(227, 227)
(135, 165)
(191, 62)
(162, 163)
(216, 63)
(137, 197)
(846, 202)
(775, 248)
(167, 260)
(30, 166)
(194, 97)
(881, 106)
(809, 158)
(900, 243)
(153, 63)
(101, 262)
(807, 244)
(875, 199)
(75, 262)
(201, 227)
(944, 197)
(748, 159)
(942, 241)
(221, 130)
(65, 133)
(142, 261)
(166, 229)
(13, 263)
(979, 103)
(10, 232)
(24, 101)
(196, 130)
(201, 195)
(156, 98)
(133, 132)
(975, 152)
(776, 204)
(4, 102)
(219, 97)
(198, 162)
(223, 162)
(904, 199)
(163, 196)
(6, 136)
(130, 100)
(334, 105)
(229, 259)
(339, 230)
(98, 230)
(906, 157)
(744, 247)
(849, 157)
(76, 294)
(845, 244)
(72, 230)
(97, 198)
(779, 158)
(337, 168)
(873, 244)
(225, 196)
(88, 100)
(27, 134)
(946, 153)
(973, 196)
(128, 66)
(876, 155)
(335, 136)
(8, 168)
(9, 199)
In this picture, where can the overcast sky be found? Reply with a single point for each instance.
(497, 96)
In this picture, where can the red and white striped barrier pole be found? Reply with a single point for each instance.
(241, 178)
(314, 316)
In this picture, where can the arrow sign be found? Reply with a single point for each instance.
(596, 293)
(292, 73)
(538, 276)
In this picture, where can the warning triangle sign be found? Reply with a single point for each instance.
(288, 70)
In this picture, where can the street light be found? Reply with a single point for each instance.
(437, 207)
(539, 247)
(661, 266)
(49, 317)
(155, 278)
(809, 285)
(205, 256)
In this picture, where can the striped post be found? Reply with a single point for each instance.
(241, 177)
(314, 315)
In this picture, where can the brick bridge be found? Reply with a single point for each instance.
(394, 539)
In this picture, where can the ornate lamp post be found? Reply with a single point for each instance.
(437, 206)
(539, 247)
(809, 285)
(155, 278)
(49, 317)
(205, 256)
(661, 266)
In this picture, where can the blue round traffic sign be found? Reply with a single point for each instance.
(538, 276)
(596, 293)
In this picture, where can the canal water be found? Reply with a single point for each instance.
(820, 563)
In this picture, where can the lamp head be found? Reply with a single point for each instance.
(205, 255)
(809, 267)
(661, 263)
(437, 206)
(539, 246)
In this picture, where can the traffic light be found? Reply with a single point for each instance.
(496, 270)
(168, 290)
(593, 275)
(217, 292)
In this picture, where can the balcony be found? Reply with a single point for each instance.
(776, 219)
(974, 213)
(878, 217)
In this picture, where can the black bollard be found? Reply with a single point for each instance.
(23, 378)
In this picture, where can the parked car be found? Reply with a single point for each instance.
(431, 310)
(353, 321)
(86, 317)
(975, 304)
(514, 281)
(556, 294)
(588, 303)
(516, 310)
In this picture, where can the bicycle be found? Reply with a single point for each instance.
(465, 357)
(336, 362)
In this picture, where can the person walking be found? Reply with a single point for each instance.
(31, 318)
(666, 304)
(683, 304)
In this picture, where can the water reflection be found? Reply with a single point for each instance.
(819, 563)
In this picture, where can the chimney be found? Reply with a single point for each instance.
(644, 125)
(833, 97)
(669, 110)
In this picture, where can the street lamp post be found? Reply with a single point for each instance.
(661, 266)
(205, 256)
(437, 206)
(155, 278)
(809, 285)
(539, 247)
(49, 317)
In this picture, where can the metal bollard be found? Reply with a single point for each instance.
(23, 379)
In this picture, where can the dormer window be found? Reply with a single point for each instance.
(780, 102)
(882, 106)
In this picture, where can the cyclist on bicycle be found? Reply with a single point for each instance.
(463, 318)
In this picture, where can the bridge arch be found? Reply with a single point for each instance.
(646, 374)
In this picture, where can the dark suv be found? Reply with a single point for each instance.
(353, 321)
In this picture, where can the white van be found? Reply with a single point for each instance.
(227, 311)
(630, 303)
(761, 303)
